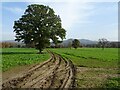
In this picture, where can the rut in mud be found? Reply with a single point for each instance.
(53, 73)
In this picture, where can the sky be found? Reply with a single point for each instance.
(81, 20)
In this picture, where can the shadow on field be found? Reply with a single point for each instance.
(81, 56)
(18, 53)
(6, 53)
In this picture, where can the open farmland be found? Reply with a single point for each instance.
(95, 68)
(91, 57)
(12, 57)
(60, 75)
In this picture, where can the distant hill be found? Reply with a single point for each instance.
(82, 41)
(65, 42)
(86, 41)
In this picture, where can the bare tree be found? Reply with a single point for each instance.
(103, 42)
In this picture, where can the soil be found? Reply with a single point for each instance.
(53, 73)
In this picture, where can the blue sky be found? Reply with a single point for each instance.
(83, 20)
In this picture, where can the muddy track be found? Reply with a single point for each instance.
(53, 73)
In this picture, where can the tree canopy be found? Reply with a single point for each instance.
(76, 43)
(39, 25)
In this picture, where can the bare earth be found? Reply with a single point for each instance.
(53, 73)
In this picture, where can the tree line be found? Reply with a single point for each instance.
(11, 45)
(70, 45)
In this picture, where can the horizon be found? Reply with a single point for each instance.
(63, 40)
(91, 20)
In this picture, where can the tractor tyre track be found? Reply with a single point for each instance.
(53, 73)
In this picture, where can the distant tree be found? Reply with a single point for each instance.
(38, 25)
(103, 42)
(114, 44)
(7, 44)
(75, 43)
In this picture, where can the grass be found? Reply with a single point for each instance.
(113, 83)
(91, 57)
(96, 68)
(12, 57)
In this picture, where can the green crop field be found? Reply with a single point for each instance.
(12, 57)
(96, 68)
(91, 57)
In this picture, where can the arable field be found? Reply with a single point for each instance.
(13, 57)
(91, 57)
(95, 68)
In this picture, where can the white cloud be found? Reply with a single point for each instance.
(73, 13)
(15, 10)
(70, 12)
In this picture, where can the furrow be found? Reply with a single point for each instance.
(53, 73)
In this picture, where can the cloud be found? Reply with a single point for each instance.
(15, 10)
(76, 13)
(70, 12)
(80, 19)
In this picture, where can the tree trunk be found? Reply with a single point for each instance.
(40, 51)
(102, 47)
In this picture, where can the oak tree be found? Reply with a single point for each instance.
(39, 25)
